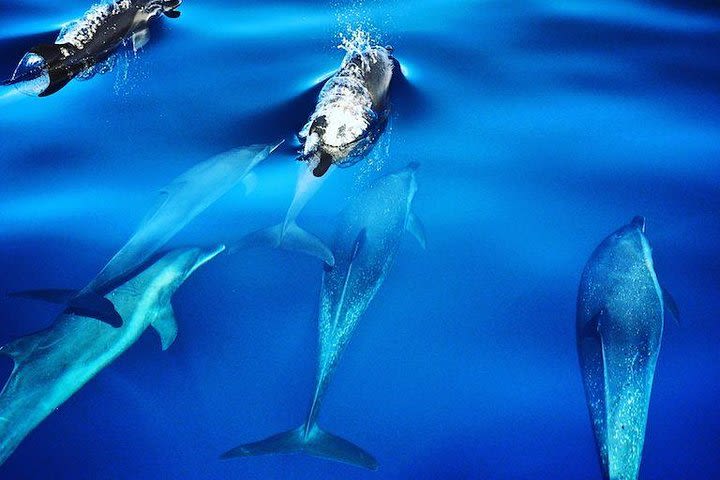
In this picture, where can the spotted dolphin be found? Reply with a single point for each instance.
(85, 46)
(620, 316)
(53, 364)
(366, 240)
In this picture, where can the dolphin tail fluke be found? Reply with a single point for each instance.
(315, 442)
(288, 236)
(87, 304)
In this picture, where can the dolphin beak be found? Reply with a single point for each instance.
(208, 254)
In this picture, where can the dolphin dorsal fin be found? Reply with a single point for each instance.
(166, 326)
(416, 228)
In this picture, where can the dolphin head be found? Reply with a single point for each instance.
(630, 239)
(176, 265)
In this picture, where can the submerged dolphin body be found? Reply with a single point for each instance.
(85, 46)
(620, 313)
(181, 201)
(53, 364)
(366, 241)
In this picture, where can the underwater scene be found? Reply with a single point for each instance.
(360, 239)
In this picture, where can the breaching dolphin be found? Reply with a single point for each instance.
(620, 313)
(85, 46)
(53, 364)
(366, 240)
(180, 202)
(351, 111)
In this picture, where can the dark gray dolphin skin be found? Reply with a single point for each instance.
(53, 364)
(181, 201)
(351, 111)
(366, 240)
(620, 315)
(88, 42)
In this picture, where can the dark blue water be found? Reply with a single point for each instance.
(540, 126)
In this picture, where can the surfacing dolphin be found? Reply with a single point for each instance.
(85, 47)
(180, 202)
(350, 114)
(620, 313)
(53, 364)
(351, 111)
(366, 240)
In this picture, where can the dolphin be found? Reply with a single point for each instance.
(350, 114)
(620, 314)
(366, 240)
(53, 364)
(180, 202)
(351, 111)
(85, 46)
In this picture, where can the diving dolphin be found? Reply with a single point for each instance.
(351, 111)
(620, 313)
(366, 240)
(180, 202)
(53, 364)
(84, 47)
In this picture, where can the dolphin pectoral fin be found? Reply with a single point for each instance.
(287, 237)
(172, 13)
(140, 38)
(52, 295)
(417, 229)
(315, 442)
(323, 165)
(671, 305)
(166, 326)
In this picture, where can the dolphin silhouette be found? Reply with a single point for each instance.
(84, 47)
(53, 364)
(620, 313)
(180, 202)
(366, 240)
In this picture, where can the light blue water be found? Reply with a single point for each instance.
(541, 127)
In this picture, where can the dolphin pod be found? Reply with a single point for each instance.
(366, 239)
(85, 47)
(620, 306)
(620, 314)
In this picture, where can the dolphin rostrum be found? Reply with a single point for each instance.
(366, 240)
(620, 313)
(53, 364)
(85, 47)
(180, 202)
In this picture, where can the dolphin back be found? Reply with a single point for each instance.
(619, 328)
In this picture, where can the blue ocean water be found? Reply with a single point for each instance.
(540, 127)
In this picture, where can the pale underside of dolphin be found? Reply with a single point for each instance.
(620, 316)
(51, 365)
(366, 240)
(180, 202)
